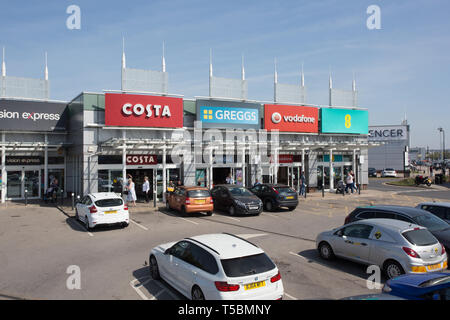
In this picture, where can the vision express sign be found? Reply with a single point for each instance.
(32, 115)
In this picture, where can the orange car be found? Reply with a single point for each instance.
(190, 199)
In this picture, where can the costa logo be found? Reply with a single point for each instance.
(141, 159)
(143, 111)
(291, 118)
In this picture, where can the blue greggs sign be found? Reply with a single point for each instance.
(227, 114)
(344, 121)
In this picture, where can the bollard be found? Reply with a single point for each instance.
(154, 198)
(323, 191)
(73, 200)
(359, 188)
(26, 197)
(62, 197)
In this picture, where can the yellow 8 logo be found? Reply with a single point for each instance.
(348, 121)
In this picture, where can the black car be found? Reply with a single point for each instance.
(372, 172)
(275, 196)
(235, 199)
(438, 227)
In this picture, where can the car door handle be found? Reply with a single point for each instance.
(348, 241)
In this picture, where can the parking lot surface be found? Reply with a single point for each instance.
(39, 243)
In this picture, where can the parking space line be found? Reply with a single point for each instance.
(82, 226)
(139, 225)
(268, 214)
(189, 220)
(138, 291)
(231, 218)
(290, 297)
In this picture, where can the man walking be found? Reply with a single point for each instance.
(146, 188)
(302, 184)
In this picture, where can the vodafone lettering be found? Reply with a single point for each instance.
(143, 111)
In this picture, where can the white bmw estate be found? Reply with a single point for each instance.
(217, 267)
(102, 208)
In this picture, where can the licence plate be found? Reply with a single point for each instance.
(290, 197)
(255, 285)
(109, 212)
(253, 208)
(434, 266)
(199, 201)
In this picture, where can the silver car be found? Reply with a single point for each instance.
(397, 247)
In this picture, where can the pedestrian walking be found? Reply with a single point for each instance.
(256, 183)
(146, 189)
(349, 182)
(131, 192)
(229, 179)
(302, 184)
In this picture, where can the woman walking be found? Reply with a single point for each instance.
(131, 195)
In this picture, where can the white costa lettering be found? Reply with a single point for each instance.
(149, 110)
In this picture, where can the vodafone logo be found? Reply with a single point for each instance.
(300, 119)
(149, 110)
(276, 117)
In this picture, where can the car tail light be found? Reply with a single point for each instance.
(125, 207)
(443, 249)
(276, 191)
(93, 209)
(276, 277)
(211, 200)
(410, 252)
(224, 286)
(188, 201)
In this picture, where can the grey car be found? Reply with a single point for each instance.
(439, 209)
(397, 247)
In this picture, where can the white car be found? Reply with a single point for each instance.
(389, 172)
(102, 208)
(217, 267)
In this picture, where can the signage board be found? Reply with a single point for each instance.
(24, 160)
(291, 118)
(334, 120)
(22, 115)
(141, 159)
(228, 114)
(387, 133)
(134, 110)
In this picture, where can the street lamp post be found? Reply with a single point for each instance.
(443, 142)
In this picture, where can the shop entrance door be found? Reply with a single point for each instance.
(20, 181)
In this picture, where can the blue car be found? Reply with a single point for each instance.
(430, 286)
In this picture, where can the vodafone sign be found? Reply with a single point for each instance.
(134, 110)
(291, 118)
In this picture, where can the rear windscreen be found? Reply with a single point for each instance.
(245, 266)
(199, 194)
(420, 237)
(284, 190)
(114, 202)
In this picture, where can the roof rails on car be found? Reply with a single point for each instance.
(233, 235)
(202, 244)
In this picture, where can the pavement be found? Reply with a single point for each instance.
(40, 244)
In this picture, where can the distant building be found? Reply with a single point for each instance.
(417, 153)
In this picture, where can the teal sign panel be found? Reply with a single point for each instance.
(344, 121)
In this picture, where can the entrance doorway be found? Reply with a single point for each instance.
(220, 175)
(19, 182)
(138, 179)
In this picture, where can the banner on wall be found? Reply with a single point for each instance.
(344, 121)
(291, 118)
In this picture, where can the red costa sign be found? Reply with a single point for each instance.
(134, 110)
(291, 118)
(140, 159)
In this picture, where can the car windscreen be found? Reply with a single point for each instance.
(283, 190)
(245, 266)
(420, 237)
(198, 194)
(431, 222)
(389, 169)
(239, 191)
(436, 281)
(113, 202)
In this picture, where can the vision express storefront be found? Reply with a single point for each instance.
(33, 147)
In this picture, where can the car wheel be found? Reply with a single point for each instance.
(183, 210)
(167, 206)
(86, 223)
(197, 293)
(269, 205)
(125, 224)
(325, 251)
(393, 269)
(154, 270)
(291, 208)
(209, 213)
(77, 217)
(232, 211)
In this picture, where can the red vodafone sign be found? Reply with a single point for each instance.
(291, 118)
(134, 110)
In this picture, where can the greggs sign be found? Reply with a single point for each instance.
(291, 118)
(134, 110)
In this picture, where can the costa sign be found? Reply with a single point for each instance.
(291, 118)
(135, 110)
(141, 159)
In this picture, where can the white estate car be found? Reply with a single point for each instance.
(102, 208)
(217, 267)
(389, 172)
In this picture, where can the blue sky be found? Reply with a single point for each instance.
(405, 66)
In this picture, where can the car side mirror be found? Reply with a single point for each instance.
(339, 233)
(168, 251)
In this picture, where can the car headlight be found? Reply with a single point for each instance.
(239, 203)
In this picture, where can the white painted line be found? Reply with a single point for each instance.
(138, 291)
(231, 218)
(189, 220)
(271, 215)
(297, 255)
(251, 235)
(290, 297)
(138, 224)
(79, 223)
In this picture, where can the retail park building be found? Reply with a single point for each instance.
(92, 142)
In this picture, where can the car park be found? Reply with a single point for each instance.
(235, 199)
(372, 172)
(190, 199)
(430, 286)
(275, 196)
(103, 208)
(439, 209)
(389, 172)
(217, 267)
(397, 247)
(438, 227)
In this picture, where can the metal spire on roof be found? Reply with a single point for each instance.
(210, 63)
(302, 77)
(3, 64)
(46, 67)
(243, 69)
(354, 83)
(330, 81)
(124, 65)
(275, 75)
(163, 59)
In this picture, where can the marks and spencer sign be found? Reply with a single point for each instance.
(388, 133)
(344, 121)
(226, 114)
